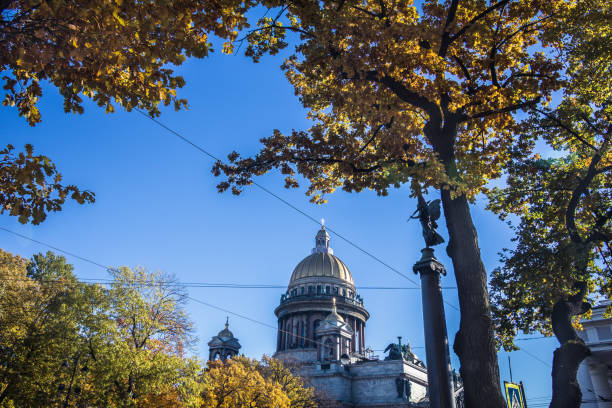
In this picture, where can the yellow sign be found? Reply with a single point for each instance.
(514, 397)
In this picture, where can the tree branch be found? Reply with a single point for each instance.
(446, 39)
(510, 108)
(475, 19)
(413, 98)
(387, 125)
(570, 212)
(564, 127)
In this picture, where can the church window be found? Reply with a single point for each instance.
(311, 289)
(327, 289)
(335, 290)
(302, 290)
(344, 292)
(294, 292)
(318, 289)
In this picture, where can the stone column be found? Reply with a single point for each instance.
(354, 339)
(439, 376)
(278, 335)
(586, 386)
(363, 338)
(599, 379)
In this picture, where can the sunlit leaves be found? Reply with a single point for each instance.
(110, 51)
(30, 186)
(397, 93)
(64, 342)
(563, 205)
(244, 383)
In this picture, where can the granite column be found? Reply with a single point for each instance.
(439, 376)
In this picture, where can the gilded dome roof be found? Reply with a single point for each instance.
(321, 265)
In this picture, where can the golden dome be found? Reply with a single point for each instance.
(321, 265)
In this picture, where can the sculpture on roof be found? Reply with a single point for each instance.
(428, 213)
(399, 351)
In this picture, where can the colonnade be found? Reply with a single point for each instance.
(298, 330)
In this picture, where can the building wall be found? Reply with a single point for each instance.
(594, 374)
(368, 384)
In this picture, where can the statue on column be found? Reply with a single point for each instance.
(428, 213)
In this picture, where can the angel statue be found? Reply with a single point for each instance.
(428, 213)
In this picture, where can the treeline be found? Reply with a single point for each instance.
(66, 343)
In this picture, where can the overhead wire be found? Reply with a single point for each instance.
(272, 194)
(225, 310)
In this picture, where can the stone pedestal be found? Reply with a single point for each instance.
(439, 375)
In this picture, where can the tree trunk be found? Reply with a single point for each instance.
(567, 358)
(474, 342)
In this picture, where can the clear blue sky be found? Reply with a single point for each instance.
(157, 206)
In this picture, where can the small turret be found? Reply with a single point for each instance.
(224, 345)
(322, 241)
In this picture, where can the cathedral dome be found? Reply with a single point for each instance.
(321, 263)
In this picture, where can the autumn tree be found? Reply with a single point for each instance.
(241, 382)
(147, 346)
(400, 93)
(71, 344)
(114, 52)
(44, 312)
(564, 206)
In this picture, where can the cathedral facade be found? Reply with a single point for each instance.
(322, 337)
(322, 333)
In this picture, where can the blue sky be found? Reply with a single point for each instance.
(157, 206)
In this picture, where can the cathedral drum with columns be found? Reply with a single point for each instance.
(321, 332)
(317, 282)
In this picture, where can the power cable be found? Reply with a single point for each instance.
(212, 156)
(56, 249)
(108, 281)
(272, 194)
